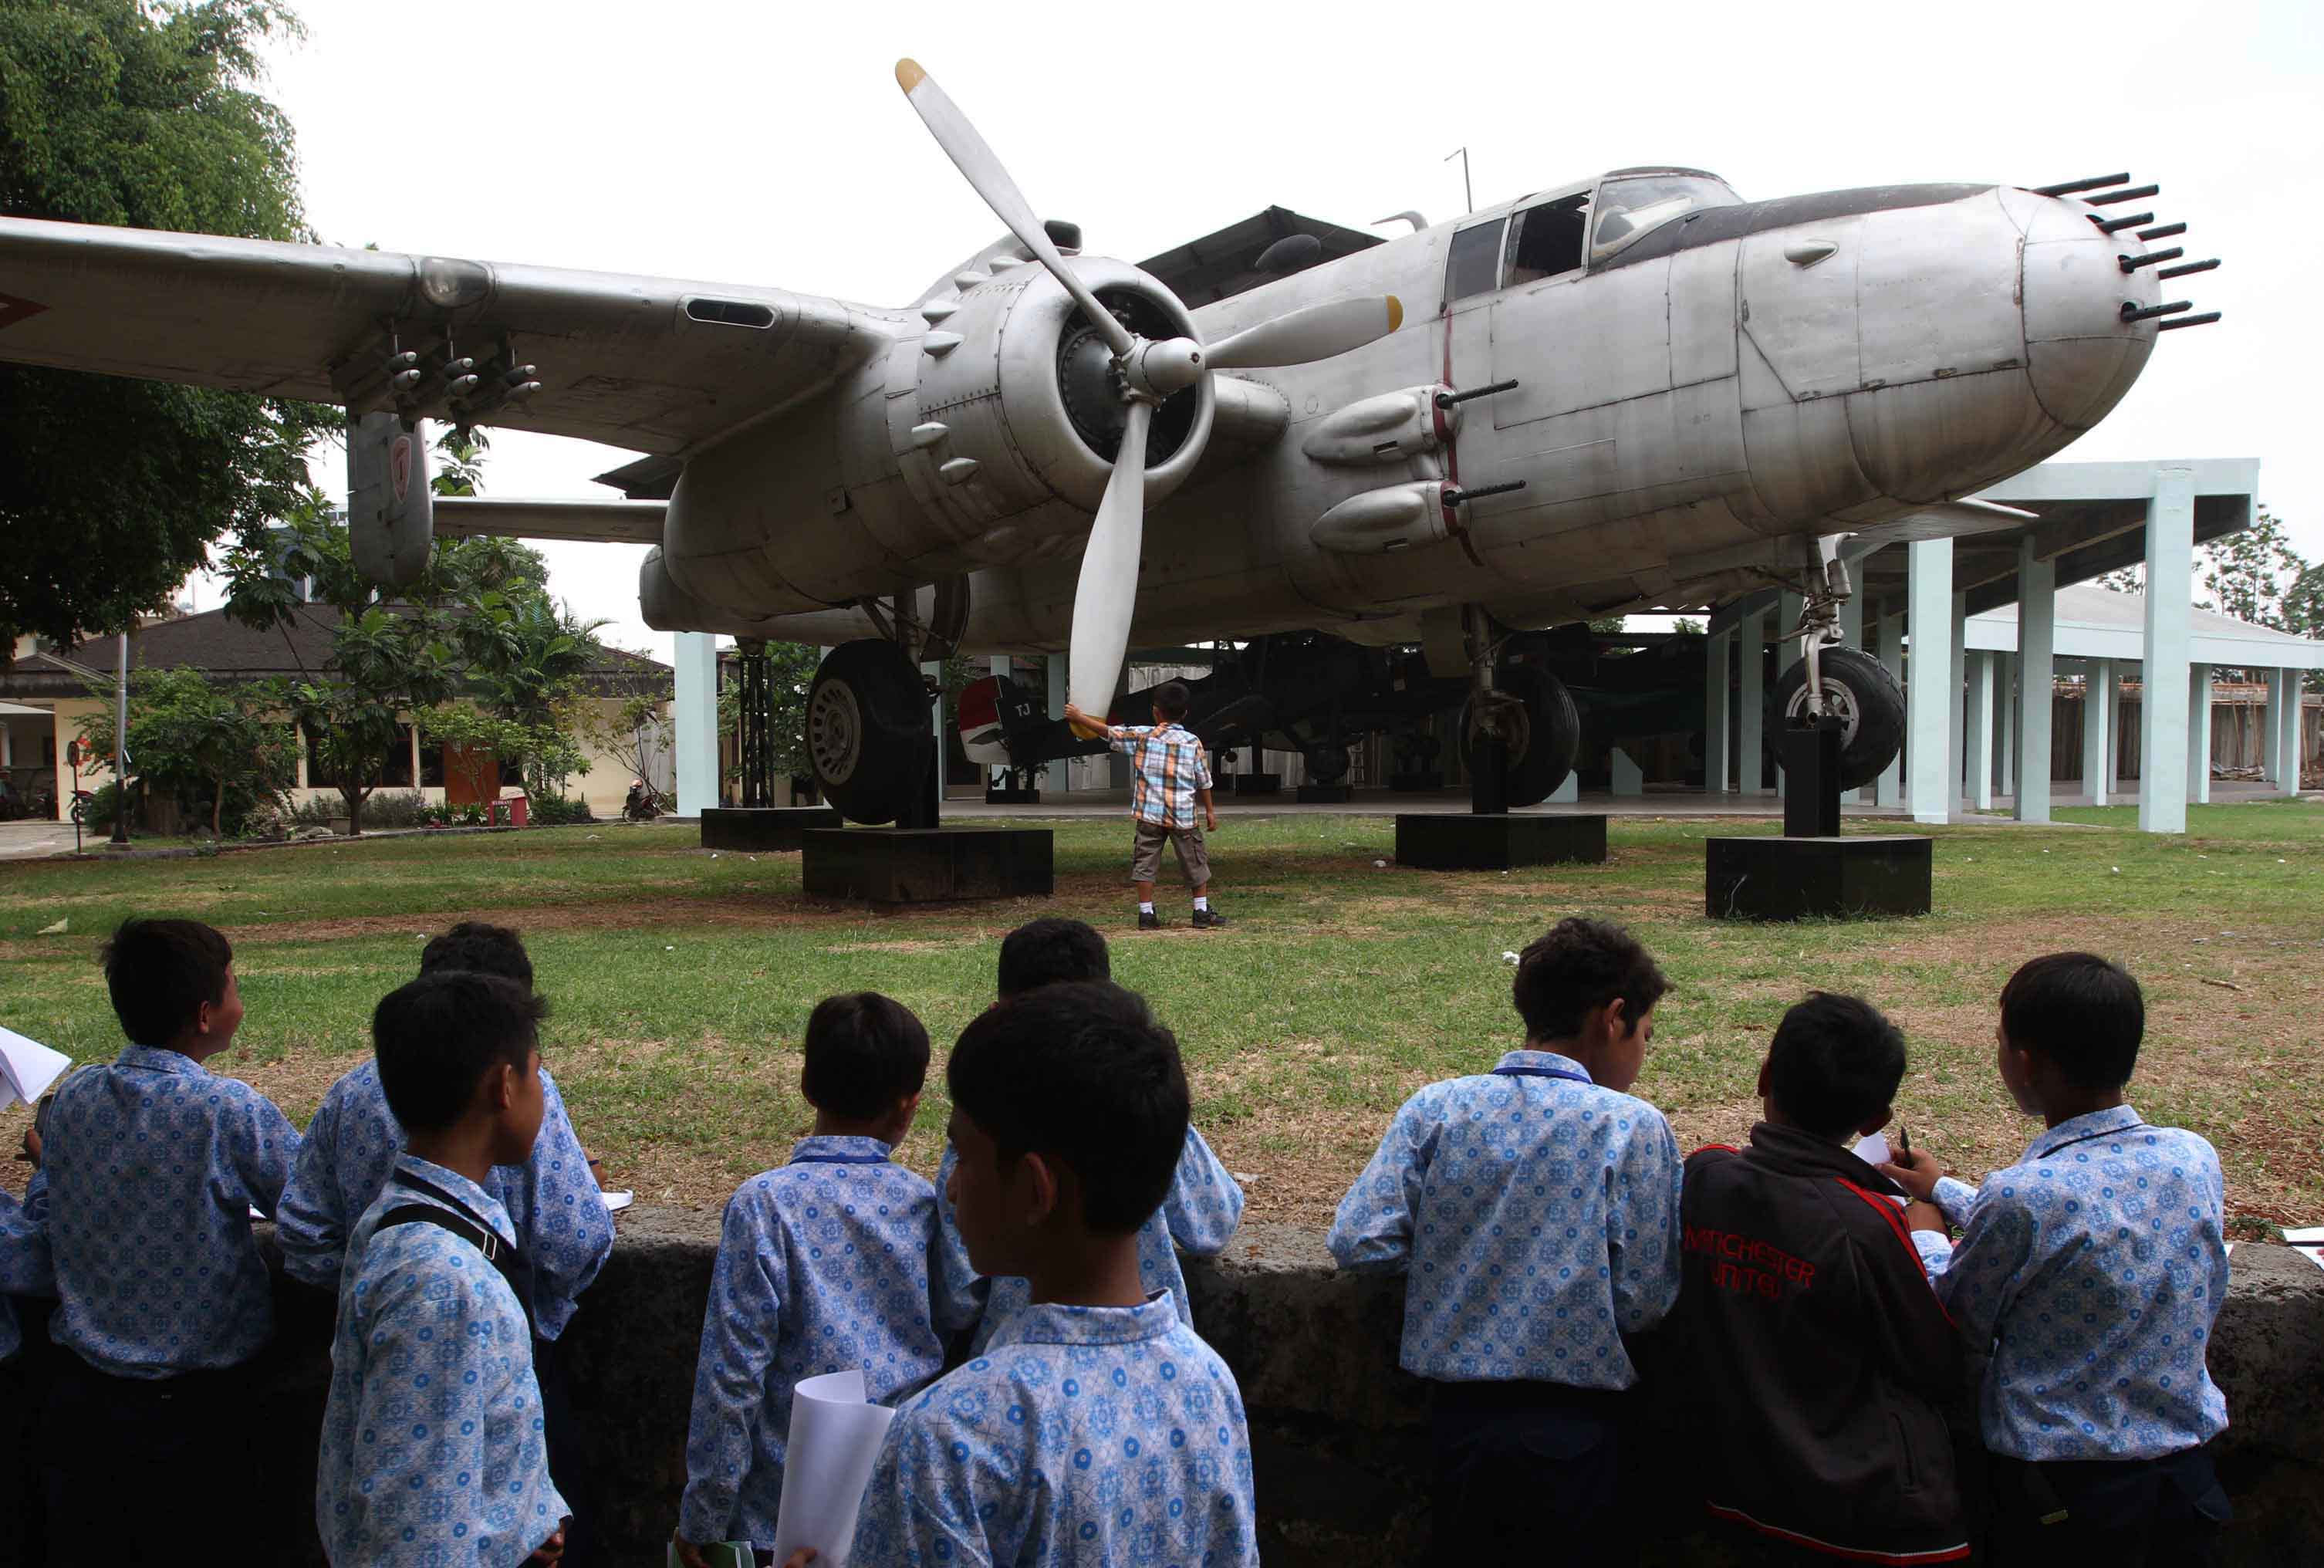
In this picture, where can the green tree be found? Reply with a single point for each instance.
(144, 114)
(201, 740)
(2249, 573)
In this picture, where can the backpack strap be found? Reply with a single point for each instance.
(505, 1259)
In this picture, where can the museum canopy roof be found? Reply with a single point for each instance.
(2095, 623)
(226, 648)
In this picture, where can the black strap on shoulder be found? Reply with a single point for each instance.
(470, 1228)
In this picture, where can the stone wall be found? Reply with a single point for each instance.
(1341, 1455)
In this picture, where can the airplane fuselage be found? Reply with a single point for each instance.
(1691, 403)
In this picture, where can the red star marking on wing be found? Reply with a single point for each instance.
(12, 310)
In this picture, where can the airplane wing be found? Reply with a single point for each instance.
(615, 522)
(651, 364)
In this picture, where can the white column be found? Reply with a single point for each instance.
(2004, 712)
(2198, 735)
(1628, 781)
(1959, 732)
(2037, 635)
(2098, 729)
(697, 716)
(2285, 710)
(1934, 685)
(1750, 742)
(2119, 723)
(1977, 728)
(1851, 634)
(2162, 718)
(1715, 649)
(8, 746)
(2270, 724)
(1889, 789)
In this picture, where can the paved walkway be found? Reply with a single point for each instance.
(28, 840)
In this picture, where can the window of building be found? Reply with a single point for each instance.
(1475, 264)
(396, 775)
(1547, 240)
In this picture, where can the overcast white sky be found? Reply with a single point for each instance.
(738, 141)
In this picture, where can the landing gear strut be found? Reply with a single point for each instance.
(1845, 685)
(1520, 731)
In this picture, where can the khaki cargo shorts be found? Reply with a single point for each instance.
(1146, 853)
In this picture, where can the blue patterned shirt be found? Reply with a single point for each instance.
(151, 1169)
(431, 1450)
(1199, 1215)
(1535, 1216)
(23, 1269)
(825, 1264)
(1168, 766)
(2093, 1267)
(351, 1145)
(1108, 1435)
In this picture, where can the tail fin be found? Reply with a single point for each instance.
(991, 710)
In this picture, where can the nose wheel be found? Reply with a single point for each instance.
(1538, 727)
(1858, 691)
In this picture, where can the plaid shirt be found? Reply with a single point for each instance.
(1169, 768)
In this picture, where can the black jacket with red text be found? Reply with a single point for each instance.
(1815, 1357)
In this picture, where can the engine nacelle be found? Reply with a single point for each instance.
(986, 440)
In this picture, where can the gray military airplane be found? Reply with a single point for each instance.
(1631, 393)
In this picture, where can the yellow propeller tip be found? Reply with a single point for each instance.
(908, 74)
(1395, 312)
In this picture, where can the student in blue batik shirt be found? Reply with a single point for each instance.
(1204, 1204)
(1534, 1211)
(24, 1271)
(551, 1197)
(826, 1264)
(2091, 1270)
(432, 1449)
(149, 1167)
(1096, 1427)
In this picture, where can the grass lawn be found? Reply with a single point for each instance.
(682, 980)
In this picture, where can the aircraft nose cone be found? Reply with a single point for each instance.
(2082, 356)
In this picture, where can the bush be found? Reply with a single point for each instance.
(404, 808)
(559, 811)
(318, 812)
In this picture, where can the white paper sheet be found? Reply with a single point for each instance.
(27, 1068)
(616, 1202)
(834, 1438)
(1872, 1148)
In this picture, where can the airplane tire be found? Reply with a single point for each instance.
(867, 730)
(1869, 701)
(1552, 733)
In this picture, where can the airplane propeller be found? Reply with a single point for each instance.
(1151, 370)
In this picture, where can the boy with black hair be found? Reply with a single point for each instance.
(431, 1446)
(150, 1166)
(1205, 1203)
(1169, 776)
(551, 1197)
(1097, 1428)
(2092, 1269)
(826, 1263)
(1813, 1360)
(1534, 1211)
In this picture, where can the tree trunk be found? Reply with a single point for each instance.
(217, 809)
(354, 799)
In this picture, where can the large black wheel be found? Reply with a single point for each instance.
(1859, 692)
(1541, 758)
(868, 732)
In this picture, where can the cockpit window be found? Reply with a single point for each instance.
(1627, 209)
(1475, 265)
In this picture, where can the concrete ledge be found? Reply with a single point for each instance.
(1341, 1452)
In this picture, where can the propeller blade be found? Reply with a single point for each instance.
(1317, 332)
(966, 149)
(1107, 589)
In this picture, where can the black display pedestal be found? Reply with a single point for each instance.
(1497, 842)
(1793, 879)
(771, 828)
(927, 865)
(1326, 794)
(1810, 755)
(1257, 783)
(1000, 795)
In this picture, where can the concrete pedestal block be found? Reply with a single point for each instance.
(1326, 794)
(1257, 783)
(1497, 843)
(928, 865)
(1793, 879)
(773, 828)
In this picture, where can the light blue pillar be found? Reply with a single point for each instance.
(2270, 724)
(1715, 649)
(1750, 741)
(2284, 708)
(1960, 699)
(1977, 727)
(2097, 729)
(2037, 642)
(2163, 715)
(1889, 789)
(1934, 684)
(695, 701)
(2004, 712)
(2198, 735)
